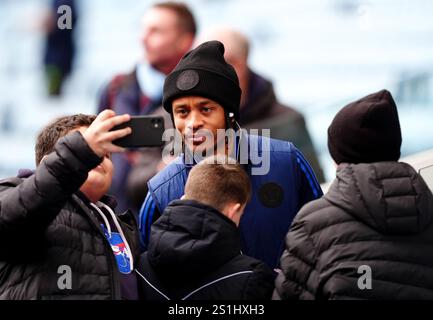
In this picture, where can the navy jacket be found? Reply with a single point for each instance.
(277, 196)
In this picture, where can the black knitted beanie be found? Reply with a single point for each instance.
(204, 72)
(366, 131)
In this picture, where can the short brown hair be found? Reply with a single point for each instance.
(56, 129)
(186, 18)
(217, 184)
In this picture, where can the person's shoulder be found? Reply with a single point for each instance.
(10, 182)
(278, 108)
(291, 111)
(319, 214)
(119, 80)
(244, 264)
(170, 172)
(314, 206)
(270, 144)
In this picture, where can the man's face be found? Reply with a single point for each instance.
(195, 115)
(99, 179)
(162, 38)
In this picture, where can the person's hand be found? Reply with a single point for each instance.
(98, 135)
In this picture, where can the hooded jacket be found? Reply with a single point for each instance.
(194, 254)
(46, 228)
(369, 237)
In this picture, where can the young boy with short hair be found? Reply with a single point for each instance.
(195, 246)
(59, 235)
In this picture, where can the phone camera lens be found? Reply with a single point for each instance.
(155, 123)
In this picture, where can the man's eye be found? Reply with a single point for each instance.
(181, 111)
(206, 109)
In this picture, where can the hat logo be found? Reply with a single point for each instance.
(187, 80)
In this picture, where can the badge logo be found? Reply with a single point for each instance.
(271, 195)
(187, 80)
(119, 249)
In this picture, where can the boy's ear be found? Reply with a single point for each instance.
(233, 212)
(43, 158)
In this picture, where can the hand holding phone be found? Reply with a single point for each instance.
(100, 134)
(146, 131)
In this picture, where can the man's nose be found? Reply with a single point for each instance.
(195, 121)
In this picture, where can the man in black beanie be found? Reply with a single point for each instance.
(371, 235)
(202, 94)
(204, 76)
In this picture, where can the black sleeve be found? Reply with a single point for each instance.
(260, 283)
(27, 209)
(297, 264)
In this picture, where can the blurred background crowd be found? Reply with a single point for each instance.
(319, 55)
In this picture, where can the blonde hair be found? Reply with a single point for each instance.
(218, 181)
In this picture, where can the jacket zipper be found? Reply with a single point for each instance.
(115, 292)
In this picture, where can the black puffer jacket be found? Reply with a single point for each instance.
(194, 254)
(44, 225)
(379, 215)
